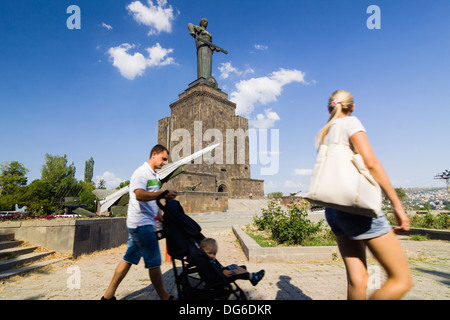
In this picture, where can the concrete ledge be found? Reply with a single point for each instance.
(69, 236)
(256, 253)
(433, 234)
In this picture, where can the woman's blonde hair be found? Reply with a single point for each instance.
(340, 101)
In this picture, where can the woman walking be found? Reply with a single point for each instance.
(356, 232)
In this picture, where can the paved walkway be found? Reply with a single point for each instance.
(87, 277)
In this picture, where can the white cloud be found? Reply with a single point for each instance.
(263, 90)
(106, 26)
(293, 184)
(271, 186)
(265, 121)
(131, 66)
(226, 69)
(261, 47)
(158, 17)
(303, 172)
(157, 56)
(111, 181)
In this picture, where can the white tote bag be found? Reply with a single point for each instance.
(341, 181)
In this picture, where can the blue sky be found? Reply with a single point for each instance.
(100, 90)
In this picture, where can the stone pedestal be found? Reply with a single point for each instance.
(203, 115)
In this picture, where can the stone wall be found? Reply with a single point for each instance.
(69, 236)
(205, 182)
(237, 188)
(203, 202)
(243, 186)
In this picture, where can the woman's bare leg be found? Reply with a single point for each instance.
(389, 253)
(353, 253)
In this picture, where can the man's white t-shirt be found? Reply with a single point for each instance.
(141, 213)
(346, 127)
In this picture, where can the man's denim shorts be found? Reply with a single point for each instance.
(142, 242)
(356, 227)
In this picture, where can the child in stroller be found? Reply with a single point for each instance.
(198, 278)
(231, 272)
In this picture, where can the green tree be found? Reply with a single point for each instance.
(89, 170)
(12, 175)
(101, 184)
(56, 171)
(401, 194)
(275, 194)
(7, 202)
(87, 197)
(37, 196)
(123, 184)
(61, 176)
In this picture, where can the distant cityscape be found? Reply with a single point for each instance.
(422, 198)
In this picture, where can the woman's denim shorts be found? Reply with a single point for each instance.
(142, 242)
(356, 227)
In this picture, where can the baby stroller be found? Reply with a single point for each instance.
(198, 279)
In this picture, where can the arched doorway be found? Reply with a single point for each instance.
(222, 188)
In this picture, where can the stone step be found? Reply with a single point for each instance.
(10, 244)
(6, 236)
(13, 257)
(22, 259)
(37, 265)
(14, 252)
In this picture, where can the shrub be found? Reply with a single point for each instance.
(23, 217)
(431, 221)
(291, 227)
(265, 221)
(428, 221)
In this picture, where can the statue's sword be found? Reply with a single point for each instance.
(212, 45)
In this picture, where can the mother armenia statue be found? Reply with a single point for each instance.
(205, 49)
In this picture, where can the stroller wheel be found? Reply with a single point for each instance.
(241, 294)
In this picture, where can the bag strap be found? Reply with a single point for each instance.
(338, 137)
(338, 133)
